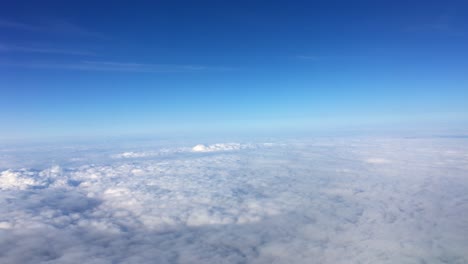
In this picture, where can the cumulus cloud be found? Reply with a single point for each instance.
(132, 154)
(294, 202)
(220, 147)
(11, 179)
(197, 148)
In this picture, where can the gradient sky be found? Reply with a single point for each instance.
(178, 67)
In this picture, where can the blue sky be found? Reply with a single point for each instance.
(181, 67)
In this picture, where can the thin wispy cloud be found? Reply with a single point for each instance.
(441, 28)
(19, 26)
(325, 57)
(113, 66)
(444, 24)
(45, 50)
(308, 57)
(52, 27)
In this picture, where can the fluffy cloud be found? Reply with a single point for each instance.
(220, 147)
(294, 202)
(12, 179)
(197, 148)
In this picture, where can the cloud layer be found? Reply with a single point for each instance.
(324, 201)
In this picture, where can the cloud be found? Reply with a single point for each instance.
(221, 147)
(446, 24)
(315, 58)
(308, 57)
(45, 50)
(377, 160)
(11, 179)
(19, 26)
(106, 66)
(51, 26)
(282, 202)
(132, 154)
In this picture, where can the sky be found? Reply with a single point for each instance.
(197, 67)
(233, 132)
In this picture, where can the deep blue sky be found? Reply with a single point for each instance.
(175, 67)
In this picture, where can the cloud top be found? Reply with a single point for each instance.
(243, 203)
(220, 147)
(377, 161)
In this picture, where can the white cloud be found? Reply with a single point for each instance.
(131, 154)
(249, 203)
(106, 66)
(11, 179)
(45, 50)
(220, 147)
(377, 160)
(197, 148)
